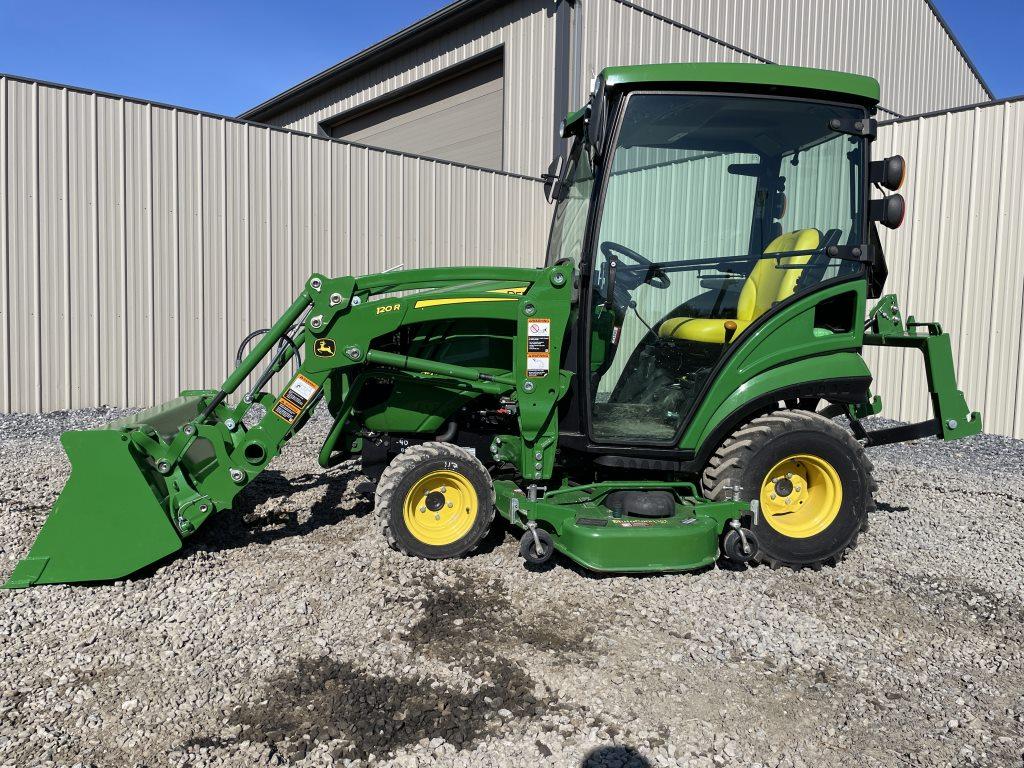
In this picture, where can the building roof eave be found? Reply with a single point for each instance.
(449, 15)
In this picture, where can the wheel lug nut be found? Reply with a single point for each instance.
(450, 505)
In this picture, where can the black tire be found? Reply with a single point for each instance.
(528, 547)
(403, 475)
(743, 462)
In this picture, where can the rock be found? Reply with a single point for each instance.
(287, 631)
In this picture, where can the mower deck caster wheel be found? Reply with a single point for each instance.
(536, 546)
(739, 545)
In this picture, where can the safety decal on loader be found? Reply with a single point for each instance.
(295, 398)
(538, 347)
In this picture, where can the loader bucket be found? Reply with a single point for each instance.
(109, 521)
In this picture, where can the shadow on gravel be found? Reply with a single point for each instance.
(246, 524)
(619, 757)
(477, 619)
(501, 531)
(889, 509)
(324, 700)
(362, 713)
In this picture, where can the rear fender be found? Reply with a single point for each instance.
(799, 375)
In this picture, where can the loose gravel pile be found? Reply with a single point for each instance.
(286, 632)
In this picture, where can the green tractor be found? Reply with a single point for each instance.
(661, 394)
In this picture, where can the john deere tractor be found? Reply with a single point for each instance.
(664, 392)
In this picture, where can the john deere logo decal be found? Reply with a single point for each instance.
(324, 348)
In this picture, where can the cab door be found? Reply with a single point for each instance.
(698, 239)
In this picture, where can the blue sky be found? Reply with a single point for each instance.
(228, 56)
(991, 32)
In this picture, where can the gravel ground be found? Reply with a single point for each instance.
(287, 633)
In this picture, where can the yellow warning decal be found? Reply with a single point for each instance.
(424, 303)
(295, 398)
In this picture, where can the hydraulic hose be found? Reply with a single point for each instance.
(284, 324)
(286, 337)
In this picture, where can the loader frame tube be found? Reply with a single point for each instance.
(265, 345)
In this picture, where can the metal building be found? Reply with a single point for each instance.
(125, 224)
(486, 83)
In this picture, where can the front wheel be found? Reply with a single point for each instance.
(435, 500)
(812, 481)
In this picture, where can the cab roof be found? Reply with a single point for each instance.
(753, 78)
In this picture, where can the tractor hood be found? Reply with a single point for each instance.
(471, 292)
(445, 283)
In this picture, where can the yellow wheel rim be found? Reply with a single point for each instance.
(440, 508)
(801, 496)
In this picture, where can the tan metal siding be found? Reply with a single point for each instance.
(139, 243)
(459, 119)
(526, 30)
(957, 258)
(899, 42)
(132, 235)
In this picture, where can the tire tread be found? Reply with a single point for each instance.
(726, 466)
(401, 465)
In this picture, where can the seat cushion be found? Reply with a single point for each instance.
(702, 329)
(764, 287)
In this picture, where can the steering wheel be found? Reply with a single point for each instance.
(655, 275)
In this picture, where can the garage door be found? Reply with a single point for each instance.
(458, 118)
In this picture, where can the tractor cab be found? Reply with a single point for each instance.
(700, 201)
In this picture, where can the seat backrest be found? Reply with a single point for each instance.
(768, 285)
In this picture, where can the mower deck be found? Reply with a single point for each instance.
(586, 531)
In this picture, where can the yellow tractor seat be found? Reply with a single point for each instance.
(765, 287)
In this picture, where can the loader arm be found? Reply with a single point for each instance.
(141, 485)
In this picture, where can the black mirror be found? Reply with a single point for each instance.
(890, 172)
(597, 119)
(552, 180)
(744, 169)
(889, 211)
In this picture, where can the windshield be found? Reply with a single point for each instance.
(716, 210)
(572, 207)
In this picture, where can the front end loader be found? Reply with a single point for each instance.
(665, 392)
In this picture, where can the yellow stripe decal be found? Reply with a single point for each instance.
(424, 303)
(516, 291)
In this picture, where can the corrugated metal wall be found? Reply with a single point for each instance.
(526, 29)
(900, 42)
(616, 35)
(140, 242)
(959, 257)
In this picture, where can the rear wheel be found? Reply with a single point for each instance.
(436, 500)
(812, 480)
